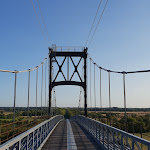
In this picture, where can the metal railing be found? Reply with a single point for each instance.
(10, 130)
(111, 138)
(33, 138)
(67, 48)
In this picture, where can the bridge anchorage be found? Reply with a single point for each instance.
(53, 56)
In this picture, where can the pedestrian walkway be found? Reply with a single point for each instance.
(68, 135)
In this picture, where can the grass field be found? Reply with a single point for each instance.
(145, 136)
(139, 113)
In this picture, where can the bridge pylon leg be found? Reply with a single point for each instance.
(50, 80)
(85, 80)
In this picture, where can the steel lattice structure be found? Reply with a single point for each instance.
(53, 55)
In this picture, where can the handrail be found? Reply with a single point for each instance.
(109, 137)
(10, 130)
(34, 137)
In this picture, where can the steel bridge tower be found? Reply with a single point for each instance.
(53, 55)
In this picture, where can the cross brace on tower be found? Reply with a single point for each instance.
(53, 55)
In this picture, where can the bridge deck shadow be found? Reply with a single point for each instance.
(58, 139)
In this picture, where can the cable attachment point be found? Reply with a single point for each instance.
(15, 71)
(85, 49)
(124, 72)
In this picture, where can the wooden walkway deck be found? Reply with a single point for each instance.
(68, 135)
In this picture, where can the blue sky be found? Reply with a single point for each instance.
(122, 42)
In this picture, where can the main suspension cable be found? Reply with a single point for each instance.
(10, 71)
(119, 72)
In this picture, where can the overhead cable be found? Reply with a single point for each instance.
(43, 21)
(98, 22)
(93, 22)
(38, 20)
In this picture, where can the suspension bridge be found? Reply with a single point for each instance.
(52, 131)
(41, 125)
